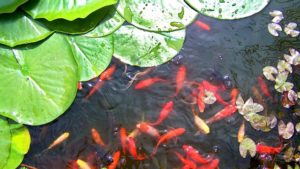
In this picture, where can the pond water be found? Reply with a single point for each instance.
(233, 52)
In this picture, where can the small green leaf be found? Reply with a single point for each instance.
(17, 29)
(157, 15)
(64, 9)
(228, 9)
(145, 49)
(247, 145)
(47, 74)
(9, 6)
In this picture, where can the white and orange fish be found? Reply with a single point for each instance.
(147, 129)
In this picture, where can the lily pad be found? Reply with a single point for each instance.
(247, 145)
(10, 6)
(145, 49)
(5, 141)
(263, 123)
(77, 26)
(228, 9)
(92, 55)
(47, 77)
(157, 15)
(64, 9)
(286, 131)
(281, 84)
(112, 21)
(17, 29)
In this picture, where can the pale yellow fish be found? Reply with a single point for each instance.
(241, 133)
(201, 125)
(134, 133)
(82, 164)
(59, 140)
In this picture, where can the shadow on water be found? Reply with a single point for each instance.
(233, 53)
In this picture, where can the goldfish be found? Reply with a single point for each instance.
(263, 149)
(167, 108)
(132, 149)
(123, 138)
(116, 159)
(241, 133)
(187, 163)
(202, 25)
(259, 98)
(134, 133)
(169, 135)
(82, 164)
(194, 155)
(210, 87)
(225, 112)
(285, 101)
(264, 88)
(200, 97)
(59, 140)
(97, 137)
(180, 78)
(79, 86)
(234, 94)
(147, 83)
(212, 165)
(145, 128)
(104, 76)
(201, 125)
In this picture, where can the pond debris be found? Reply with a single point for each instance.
(274, 28)
(289, 154)
(247, 145)
(289, 29)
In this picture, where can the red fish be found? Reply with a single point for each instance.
(226, 112)
(79, 86)
(167, 108)
(234, 94)
(201, 95)
(263, 149)
(145, 128)
(104, 76)
(180, 78)
(123, 138)
(214, 164)
(202, 25)
(263, 87)
(194, 155)
(210, 87)
(116, 159)
(97, 137)
(187, 163)
(169, 135)
(147, 83)
(132, 149)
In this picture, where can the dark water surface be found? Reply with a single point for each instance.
(237, 49)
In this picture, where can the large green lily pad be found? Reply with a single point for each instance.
(157, 15)
(112, 21)
(79, 25)
(93, 55)
(17, 29)
(228, 9)
(145, 49)
(37, 82)
(20, 142)
(5, 141)
(9, 6)
(64, 9)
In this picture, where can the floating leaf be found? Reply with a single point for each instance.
(269, 72)
(294, 58)
(47, 77)
(289, 29)
(239, 104)
(228, 9)
(298, 127)
(64, 9)
(285, 131)
(17, 29)
(263, 123)
(10, 5)
(278, 16)
(112, 21)
(157, 15)
(276, 166)
(274, 28)
(281, 84)
(284, 66)
(209, 97)
(247, 145)
(249, 107)
(146, 49)
(288, 154)
(5, 141)
(92, 55)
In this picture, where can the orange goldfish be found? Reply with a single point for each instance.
(234, 94)
(225, 112)
(104, 76)
(263, 149)
(200, 98)
(194, 155)
(145, 128)
(59, 140)
(187, 163)
(241, 133)
(116, 159)
(147, 83)
(97, 137)
(264, 87)
(202, 25)
(214, 164)
(171, 134)
(132, 149)
(210, 87)
(167, 108)
(180, 78)
(79, 86)
(123, 138)
(201, 125)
